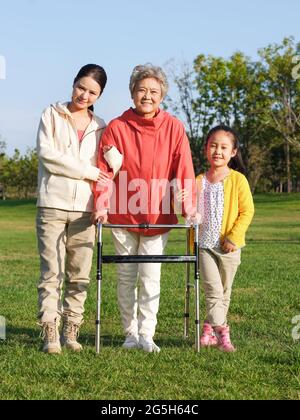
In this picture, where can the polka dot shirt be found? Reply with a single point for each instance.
(211, 208)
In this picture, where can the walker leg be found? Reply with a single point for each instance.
(99, 281)
(187, 289)
(197, 289)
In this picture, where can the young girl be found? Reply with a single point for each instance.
(67, 146)
(226, 206)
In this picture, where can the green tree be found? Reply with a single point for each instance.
(3, 161)
(283, 90)
(29, 170)
(260, 99)
(188, 108)
(18, 174)
(235, 96)
(23, 172)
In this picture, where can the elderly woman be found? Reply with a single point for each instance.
(156, 155)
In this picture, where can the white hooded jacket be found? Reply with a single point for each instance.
(68, 167)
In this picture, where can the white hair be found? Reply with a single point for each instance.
(145, 71)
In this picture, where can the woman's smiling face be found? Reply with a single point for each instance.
(86, 91)
(147, 97)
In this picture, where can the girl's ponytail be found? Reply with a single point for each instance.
(237, 163)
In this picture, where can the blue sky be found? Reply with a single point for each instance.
(44, 44)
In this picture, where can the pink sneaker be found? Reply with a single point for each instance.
(223, 336)
(208, 338)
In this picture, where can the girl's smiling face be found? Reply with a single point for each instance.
(219, 149)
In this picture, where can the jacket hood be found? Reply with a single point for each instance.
(140, 123)
(62, 108)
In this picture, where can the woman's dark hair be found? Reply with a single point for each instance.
(96, 72)
(236, 162)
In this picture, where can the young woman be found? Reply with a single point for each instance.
(67, 145)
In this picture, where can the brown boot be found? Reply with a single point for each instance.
(50, 334)
(70, 334)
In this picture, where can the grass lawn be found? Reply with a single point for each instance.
(265, 299)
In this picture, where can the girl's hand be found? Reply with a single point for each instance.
(99, 217)
(228, 246)
(195, 219)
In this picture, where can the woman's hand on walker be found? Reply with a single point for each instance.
(100, 216)
(228, 246)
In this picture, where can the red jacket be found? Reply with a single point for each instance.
(155, 151)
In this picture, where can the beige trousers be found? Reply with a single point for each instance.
(217, 271)
(139, 307)
(65, 243)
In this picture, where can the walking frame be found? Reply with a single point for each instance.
(188, 259)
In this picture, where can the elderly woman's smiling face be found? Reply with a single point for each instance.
(147, 97)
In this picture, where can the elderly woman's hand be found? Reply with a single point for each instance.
(194, 219)
(180, 197)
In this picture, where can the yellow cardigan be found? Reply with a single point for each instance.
(238, 207)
